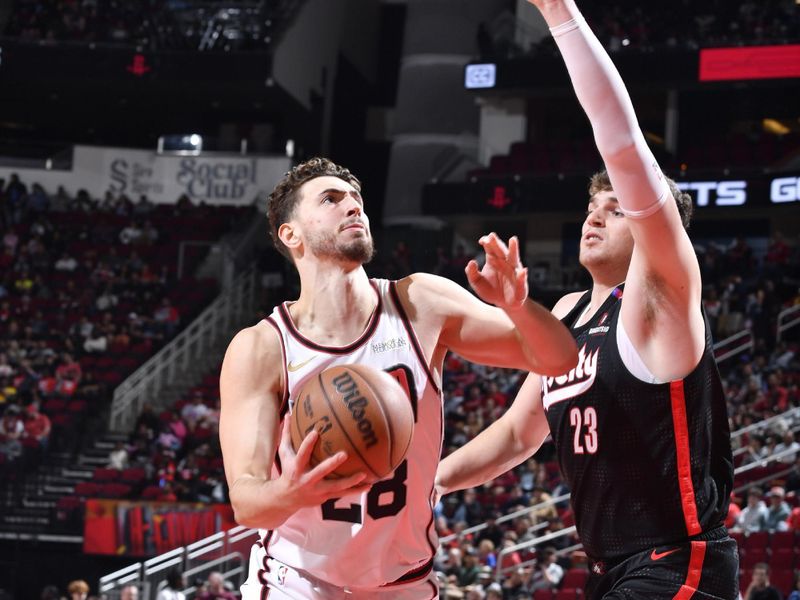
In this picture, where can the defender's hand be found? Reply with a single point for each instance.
(502, 281)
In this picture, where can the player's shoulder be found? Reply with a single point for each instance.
(566, 304)
(427, 284)
(258, 342)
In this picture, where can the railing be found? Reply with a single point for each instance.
(733, 345)
(202, 335)
(571, 530)
(227, 552)
(509, 517)
(787, 319)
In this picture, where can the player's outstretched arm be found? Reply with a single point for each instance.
(664, 277)
(516, 332)
(251, 393)
(503, 445)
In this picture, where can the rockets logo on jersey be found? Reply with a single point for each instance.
(576, 382)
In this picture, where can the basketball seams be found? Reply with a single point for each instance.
(389, 424)
(342, 428)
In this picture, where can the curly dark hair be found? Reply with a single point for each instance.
(283, 199)
(600, 182)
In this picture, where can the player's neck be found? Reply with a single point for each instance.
(335, 303)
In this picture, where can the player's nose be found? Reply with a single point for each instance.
(354, 207)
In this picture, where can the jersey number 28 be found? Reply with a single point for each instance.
(396, 486)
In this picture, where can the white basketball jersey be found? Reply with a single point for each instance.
(380, 536)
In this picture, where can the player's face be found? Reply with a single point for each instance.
(333, 222)
(606, 239)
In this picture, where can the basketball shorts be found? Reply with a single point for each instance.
(705, 568)
(270, 579)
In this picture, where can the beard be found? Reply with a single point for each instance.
(360, 249)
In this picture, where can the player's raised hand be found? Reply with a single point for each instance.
(502, 281)
(305, 486)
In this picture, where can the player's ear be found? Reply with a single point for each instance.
(289, 235)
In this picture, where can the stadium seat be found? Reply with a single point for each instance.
(575, 578)
(783, 539)
(104, 475)
(758, 540)
(569, 594)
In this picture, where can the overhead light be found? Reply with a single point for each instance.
(774, 126)
(652, 137)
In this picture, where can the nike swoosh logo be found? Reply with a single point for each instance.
(299, 365)
(659, 555)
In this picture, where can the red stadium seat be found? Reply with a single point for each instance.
(782, 579)
(543, 595)
(569, 594)
(753, 556)
(133, 475)
(782, 558)
(783, 539)
(103, 475)
(575, 578)
(86, 489)
(756, 540)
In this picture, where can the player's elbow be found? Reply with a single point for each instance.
(558, 360)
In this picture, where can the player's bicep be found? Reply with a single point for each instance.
(250, 406)
(466, 325)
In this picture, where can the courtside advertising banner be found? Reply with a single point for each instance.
(217, 179)
(140, 529)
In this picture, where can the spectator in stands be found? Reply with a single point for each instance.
(548, 573)
(167, 317)
(66, 263)
(494, 591)
(175, 584)
(37, 425)
(195, 411)
(795, 591)
(790, 445)
(118, 458)
(78, 589)
(470, 568)
(129, 592)
(734, 510)
(544, 513)
(760, 588)
(131, 234)
(12, 428)
(754, 516)
(50, 592)
(793, 478)
(450, 565)
(778, 510)
(470, 510)
(215, 588)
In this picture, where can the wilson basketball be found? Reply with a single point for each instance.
(358, 409)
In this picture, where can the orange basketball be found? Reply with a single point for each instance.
(360, 410)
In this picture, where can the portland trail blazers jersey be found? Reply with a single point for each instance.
(387, 533)
(648, 464)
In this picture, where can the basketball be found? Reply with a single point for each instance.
(360, 410)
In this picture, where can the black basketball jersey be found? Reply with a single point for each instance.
(647, 464)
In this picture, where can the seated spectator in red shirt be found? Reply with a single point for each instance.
(37, 425)
(69, 369)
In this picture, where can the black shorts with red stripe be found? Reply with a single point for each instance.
(703, 568)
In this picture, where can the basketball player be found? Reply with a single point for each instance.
(340, 538)
(640, 425)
